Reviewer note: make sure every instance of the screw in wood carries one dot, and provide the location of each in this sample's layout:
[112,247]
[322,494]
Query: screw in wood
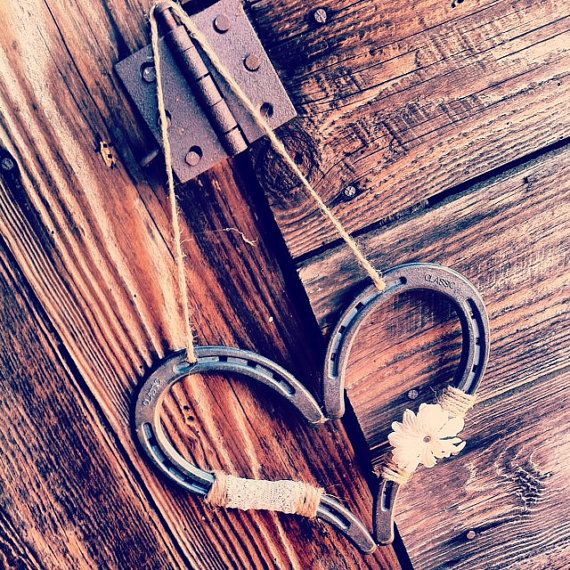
[320,16]
[350,192]
[221,24]
[413,394]
[7,163]
[470,535]
[252,62]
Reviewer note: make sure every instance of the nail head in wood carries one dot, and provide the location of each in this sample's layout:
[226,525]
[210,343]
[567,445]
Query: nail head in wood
[413,394]
[350,192]
[194,156]
[7,163]
[148,73]
[320,16]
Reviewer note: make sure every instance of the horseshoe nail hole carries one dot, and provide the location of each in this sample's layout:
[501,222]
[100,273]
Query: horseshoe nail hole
[359,306]
[403,280]
[267,110]
[223,358]
[478,341]
[341,329]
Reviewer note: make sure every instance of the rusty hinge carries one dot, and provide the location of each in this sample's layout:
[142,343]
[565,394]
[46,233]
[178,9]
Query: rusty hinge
[207,122]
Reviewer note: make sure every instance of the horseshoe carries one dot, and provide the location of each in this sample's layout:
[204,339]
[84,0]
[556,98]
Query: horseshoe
[221,359]
[474,351]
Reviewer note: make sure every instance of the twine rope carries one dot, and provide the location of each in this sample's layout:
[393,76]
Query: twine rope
[292,497]
[276,143]
[391,472]
[454,401]
[174,210]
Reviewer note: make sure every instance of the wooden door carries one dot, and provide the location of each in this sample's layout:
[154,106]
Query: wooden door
[435,131]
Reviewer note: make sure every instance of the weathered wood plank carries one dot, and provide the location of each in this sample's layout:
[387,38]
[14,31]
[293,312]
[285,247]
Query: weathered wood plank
[407,99]
[510,237]
[64,498]
[94,245]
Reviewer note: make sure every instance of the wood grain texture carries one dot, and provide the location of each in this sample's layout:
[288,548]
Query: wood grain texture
[67,499]
[405,100]
[94,245]
[510,237]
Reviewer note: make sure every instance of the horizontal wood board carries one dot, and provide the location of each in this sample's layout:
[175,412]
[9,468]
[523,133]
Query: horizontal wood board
[404,100]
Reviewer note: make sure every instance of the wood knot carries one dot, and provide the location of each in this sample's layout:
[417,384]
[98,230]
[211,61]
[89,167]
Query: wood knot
[275,176]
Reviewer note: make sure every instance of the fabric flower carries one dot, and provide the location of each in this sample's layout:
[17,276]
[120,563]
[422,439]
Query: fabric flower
[423,438]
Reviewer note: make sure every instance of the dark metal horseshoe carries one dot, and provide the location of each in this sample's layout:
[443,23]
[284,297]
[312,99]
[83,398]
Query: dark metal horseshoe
[474,352]
[212,359]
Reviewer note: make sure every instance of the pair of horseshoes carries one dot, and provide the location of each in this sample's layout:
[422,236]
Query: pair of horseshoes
[219,359]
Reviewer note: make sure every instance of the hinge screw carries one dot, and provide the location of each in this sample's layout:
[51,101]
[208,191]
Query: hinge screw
[350,192]
[252,62]
[194,156]
[221,24]
[149,73]
[7,163]
[413,394]
[320,16]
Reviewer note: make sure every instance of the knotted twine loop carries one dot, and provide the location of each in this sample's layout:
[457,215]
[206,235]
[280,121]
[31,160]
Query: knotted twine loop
[454,401]
[260,121]
[292,497]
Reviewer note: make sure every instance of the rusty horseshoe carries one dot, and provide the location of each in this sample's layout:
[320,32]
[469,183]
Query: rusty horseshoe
[220,359]
[474,352]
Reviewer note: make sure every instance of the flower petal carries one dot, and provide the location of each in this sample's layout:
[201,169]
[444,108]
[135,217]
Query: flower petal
[431,418]
[452,427]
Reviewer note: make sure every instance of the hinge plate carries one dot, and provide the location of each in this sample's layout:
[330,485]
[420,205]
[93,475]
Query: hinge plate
[190,128]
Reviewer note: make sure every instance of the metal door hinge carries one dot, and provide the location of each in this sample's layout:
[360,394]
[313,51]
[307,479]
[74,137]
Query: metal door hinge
[207,122]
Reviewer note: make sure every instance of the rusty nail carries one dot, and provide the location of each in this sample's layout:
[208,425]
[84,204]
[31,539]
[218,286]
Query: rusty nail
[221,24]
[470,535]
[149,73]
[252,62]
[413,394]
[7,163]
[350,191]
[320,16]
[194,156]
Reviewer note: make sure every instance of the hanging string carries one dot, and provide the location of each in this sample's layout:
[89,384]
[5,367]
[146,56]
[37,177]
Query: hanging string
[174,210]
[279,147]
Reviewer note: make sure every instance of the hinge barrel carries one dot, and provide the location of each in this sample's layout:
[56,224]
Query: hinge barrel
[201,82]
